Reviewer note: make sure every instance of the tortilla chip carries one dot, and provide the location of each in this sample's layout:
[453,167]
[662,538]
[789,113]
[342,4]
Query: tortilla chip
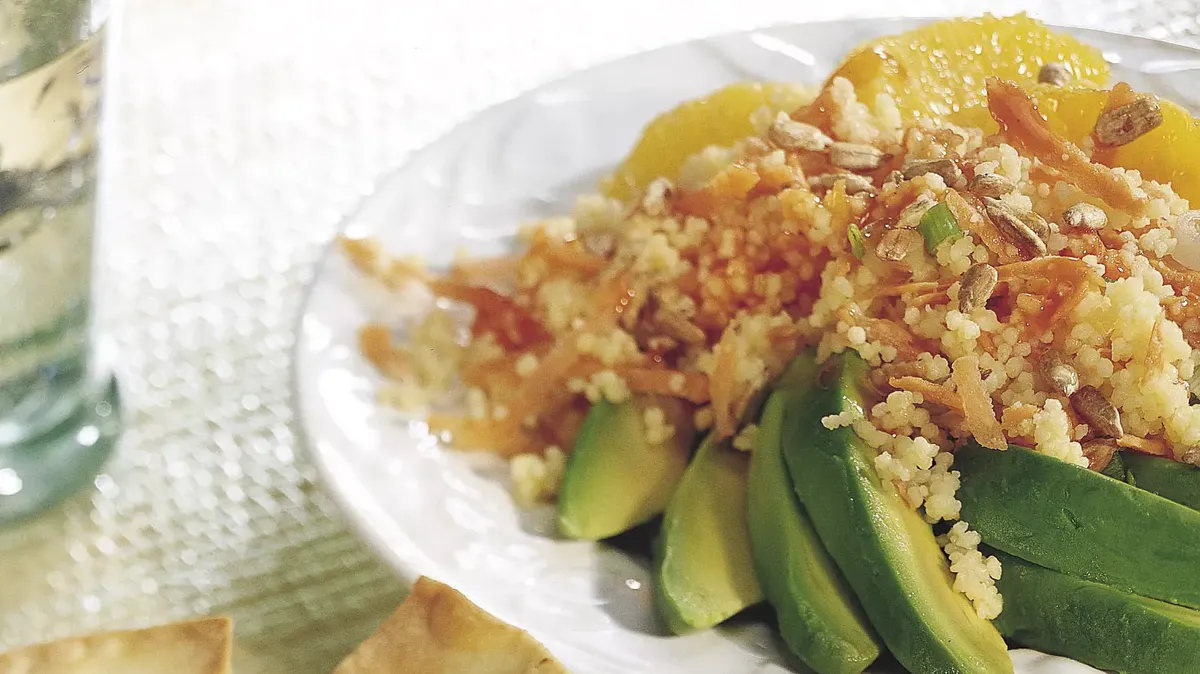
[439,631]
[195,647]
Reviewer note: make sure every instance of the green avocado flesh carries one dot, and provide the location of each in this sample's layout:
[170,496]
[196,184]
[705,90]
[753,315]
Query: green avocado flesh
[1096,624]
[703,570]
[1080,522]
[819,618]
[614,479]
[1169,479]
[886,551]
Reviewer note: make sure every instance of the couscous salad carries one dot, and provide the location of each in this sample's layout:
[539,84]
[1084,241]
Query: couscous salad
[910,357]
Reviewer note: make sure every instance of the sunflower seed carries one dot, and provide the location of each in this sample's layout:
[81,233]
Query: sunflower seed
[896,244]
[1036,223]
[990,185]
[945,168]
[855,184]
[1058,374]
[789,134]
[977,286]
[855,156]
[1099,452]
[1191,456]
[1085,216]
[676,325]
[1095,409]
[1127,122]
[1013,227]
[1055,73]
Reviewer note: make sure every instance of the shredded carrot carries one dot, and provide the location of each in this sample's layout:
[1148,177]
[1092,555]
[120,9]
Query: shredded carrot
[513,326]
[730,185]
[931,392]
[567,420]
[546,386]
[364,254]
[891,334]
[659,382]
[987,342]
[367,257]
[906,288]
[721,386]
[495,376]
[651,380]
[1049,266]
[485,271]
[930,299]
[573,257]
[375,344]
[532,396]
[978,414]
[783,333]
[776,177]
[1013,417]
[610,298]
[1154,446]
[1177,276]
[1154,349]
[481,435]
[1053,271]
[1067,304]
[903,494]
[1030,133]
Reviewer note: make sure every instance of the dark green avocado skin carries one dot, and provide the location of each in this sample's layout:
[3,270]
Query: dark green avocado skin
[1098,625]
[1082,523]
[1178,482]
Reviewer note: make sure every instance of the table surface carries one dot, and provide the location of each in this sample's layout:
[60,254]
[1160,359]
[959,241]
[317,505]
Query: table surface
[240,132]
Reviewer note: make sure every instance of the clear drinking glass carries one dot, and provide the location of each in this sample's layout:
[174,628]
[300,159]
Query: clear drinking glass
[59,409]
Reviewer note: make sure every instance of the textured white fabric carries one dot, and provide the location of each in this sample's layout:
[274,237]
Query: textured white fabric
[240,133]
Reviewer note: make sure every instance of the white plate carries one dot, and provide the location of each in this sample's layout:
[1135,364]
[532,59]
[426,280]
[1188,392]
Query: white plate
[449,515]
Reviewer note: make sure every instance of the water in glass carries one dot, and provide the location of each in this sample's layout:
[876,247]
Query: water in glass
[58,406]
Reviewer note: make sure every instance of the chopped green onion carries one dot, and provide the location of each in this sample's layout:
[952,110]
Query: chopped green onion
[937,225]
[857,245]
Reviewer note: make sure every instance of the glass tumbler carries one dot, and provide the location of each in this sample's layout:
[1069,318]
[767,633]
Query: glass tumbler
[59,408]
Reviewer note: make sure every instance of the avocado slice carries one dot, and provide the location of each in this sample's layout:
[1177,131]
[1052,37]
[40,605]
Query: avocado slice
[1095,624]
[1169,479]
[819,618]
[615,479]
[1080,522]
[702,567]
[886,550]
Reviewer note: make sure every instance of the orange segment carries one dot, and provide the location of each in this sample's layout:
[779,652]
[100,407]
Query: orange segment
[940,69]
[721,118]
[939,72]
[1166,154]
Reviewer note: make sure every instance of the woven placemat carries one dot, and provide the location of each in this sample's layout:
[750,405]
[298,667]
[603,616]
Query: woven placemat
[241,132]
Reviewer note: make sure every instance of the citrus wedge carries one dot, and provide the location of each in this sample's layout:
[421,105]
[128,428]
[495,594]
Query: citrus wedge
[1166,154]
[720,118]
[940,69]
